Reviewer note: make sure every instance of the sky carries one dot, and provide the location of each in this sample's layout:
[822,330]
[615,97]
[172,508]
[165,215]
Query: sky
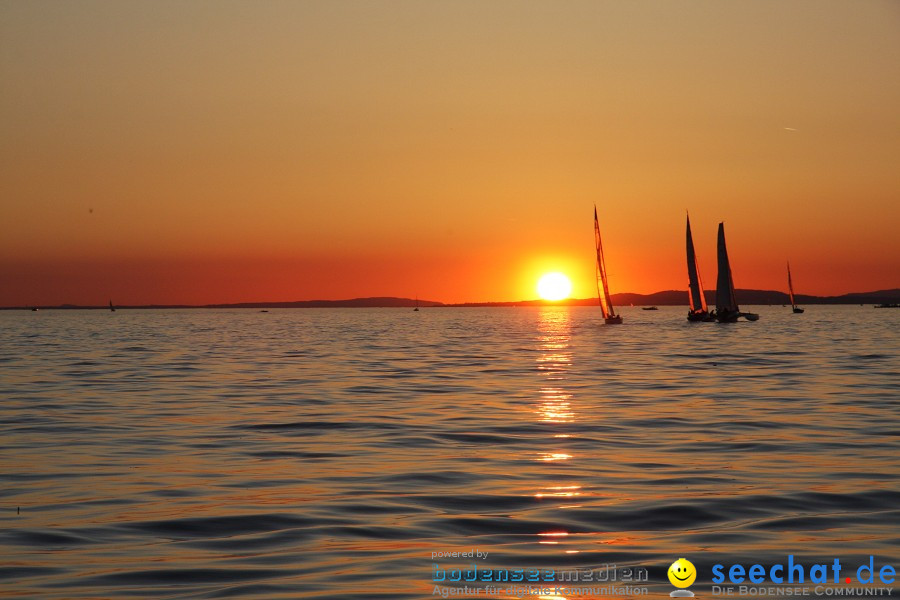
[218,151]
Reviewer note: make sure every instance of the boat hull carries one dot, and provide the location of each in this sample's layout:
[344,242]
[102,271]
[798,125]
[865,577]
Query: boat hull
[616,320]
[727,316]
[798,311]
[700,317]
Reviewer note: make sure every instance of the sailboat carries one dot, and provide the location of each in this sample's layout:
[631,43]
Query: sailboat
[727,310]
[416,309]
[699,310]
[794,307]
[111,307]
[609,313]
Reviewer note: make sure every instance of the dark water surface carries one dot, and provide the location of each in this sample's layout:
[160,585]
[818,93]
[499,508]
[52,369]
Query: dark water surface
[328,453]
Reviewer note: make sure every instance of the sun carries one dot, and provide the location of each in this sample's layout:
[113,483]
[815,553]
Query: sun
[554,286]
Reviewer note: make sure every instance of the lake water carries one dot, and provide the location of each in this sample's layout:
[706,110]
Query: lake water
[327,453]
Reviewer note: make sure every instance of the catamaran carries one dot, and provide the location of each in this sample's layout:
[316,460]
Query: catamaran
[699,310]
[727,309]
[794,307]
[609,313]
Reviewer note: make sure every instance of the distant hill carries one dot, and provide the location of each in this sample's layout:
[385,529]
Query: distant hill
[665,298]
[375,302]
[680,298]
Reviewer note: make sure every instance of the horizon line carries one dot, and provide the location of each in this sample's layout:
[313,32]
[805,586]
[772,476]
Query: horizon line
[401,302]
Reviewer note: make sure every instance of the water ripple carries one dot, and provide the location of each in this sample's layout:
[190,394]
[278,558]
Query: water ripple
[328,453]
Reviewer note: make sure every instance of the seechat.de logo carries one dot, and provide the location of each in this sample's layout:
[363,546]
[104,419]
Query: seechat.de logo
[682,574]
[796,572]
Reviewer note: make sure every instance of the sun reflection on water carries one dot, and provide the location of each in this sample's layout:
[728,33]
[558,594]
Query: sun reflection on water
[554,362]
[554,405]
[560,491]
[554,456]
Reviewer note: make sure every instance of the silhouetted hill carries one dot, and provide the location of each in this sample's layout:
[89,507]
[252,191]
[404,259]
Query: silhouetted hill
[680,298]
[879,297]
[376,302]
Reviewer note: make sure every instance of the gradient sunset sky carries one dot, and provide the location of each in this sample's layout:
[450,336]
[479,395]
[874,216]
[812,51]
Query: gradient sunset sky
[199,152]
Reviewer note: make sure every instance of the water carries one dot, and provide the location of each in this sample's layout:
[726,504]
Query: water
[329,453]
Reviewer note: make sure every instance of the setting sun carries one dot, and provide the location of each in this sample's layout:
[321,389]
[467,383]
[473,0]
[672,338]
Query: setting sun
[554,286]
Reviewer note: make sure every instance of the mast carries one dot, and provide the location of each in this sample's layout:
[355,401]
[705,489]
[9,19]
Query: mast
[791,286]
[695,286]
[602,286]
[725,300]
[602,292]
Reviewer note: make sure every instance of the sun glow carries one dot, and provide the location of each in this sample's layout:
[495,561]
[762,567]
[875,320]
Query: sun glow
[554,286]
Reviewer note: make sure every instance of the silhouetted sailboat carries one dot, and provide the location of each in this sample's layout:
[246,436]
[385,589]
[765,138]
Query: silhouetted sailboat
[727,310]
[416,309]
[609,313]
[698,309]
[794,307]
[111,307]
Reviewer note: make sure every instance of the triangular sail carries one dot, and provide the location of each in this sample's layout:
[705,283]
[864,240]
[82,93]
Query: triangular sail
[791,287]
[695,286]
[602,286]
[725,300]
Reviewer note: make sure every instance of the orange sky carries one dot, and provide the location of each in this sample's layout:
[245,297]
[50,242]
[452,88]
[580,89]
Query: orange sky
[197,152]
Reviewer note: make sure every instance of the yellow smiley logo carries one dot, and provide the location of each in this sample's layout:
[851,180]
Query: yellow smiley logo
[682,573]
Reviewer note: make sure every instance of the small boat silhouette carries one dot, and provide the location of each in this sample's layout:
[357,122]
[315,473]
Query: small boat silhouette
[797,310]
[727,309]
[698,311]
[609,313]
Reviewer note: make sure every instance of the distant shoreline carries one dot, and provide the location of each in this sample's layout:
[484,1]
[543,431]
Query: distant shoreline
[665,298]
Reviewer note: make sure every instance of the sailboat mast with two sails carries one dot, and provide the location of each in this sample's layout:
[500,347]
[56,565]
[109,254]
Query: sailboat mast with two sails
[698,310]
[727,309]
[609,312]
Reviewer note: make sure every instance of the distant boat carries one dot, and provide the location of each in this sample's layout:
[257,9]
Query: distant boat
[794,307]
[698,311]
[885,305]
[727,309]
[609,313]
[35,309]
[416,309]
[111,307]
[649,308]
